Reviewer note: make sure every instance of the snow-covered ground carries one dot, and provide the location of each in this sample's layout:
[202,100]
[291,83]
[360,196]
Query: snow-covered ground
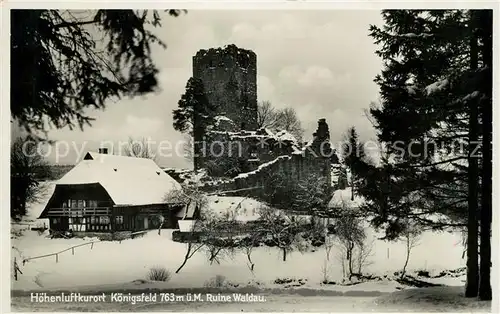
[112,266]
[440,299]
[107,263]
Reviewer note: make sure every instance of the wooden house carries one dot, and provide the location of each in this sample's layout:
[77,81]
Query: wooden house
[108,193]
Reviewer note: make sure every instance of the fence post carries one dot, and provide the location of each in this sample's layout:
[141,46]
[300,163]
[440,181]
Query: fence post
[15,269]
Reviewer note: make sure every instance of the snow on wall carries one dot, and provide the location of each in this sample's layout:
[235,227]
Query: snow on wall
[262,166]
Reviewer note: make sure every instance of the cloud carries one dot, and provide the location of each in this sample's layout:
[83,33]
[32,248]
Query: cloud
[321,63]
[265,88]
[142,126]
[313,76]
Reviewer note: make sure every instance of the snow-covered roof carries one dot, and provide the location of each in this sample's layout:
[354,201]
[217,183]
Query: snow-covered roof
[128,180]
[343,198]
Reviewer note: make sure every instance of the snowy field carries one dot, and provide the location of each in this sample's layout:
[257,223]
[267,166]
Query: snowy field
[123,266]
[115,262]
[107,263]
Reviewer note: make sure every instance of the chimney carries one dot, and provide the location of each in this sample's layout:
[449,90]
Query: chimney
[103,151]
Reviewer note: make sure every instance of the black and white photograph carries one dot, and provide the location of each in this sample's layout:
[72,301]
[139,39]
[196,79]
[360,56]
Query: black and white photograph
[217,158]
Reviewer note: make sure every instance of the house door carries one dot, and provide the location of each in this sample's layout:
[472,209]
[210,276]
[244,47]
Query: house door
[59,223]
[64,223]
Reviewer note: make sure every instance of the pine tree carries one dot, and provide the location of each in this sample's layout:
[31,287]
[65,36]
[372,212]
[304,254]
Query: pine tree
[485,34]
[426,57]
[471,287]
[432,82]
[354,157]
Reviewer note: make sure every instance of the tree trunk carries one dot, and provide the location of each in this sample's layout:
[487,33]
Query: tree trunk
[186,257]
[471,287]
[486,191]
[352,187]
[349,258]
[408,249]
[284,254]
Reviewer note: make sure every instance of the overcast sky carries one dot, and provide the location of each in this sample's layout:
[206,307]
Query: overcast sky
[321,63]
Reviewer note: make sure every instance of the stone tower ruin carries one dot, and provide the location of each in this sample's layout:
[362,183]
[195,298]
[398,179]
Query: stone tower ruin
[229,76]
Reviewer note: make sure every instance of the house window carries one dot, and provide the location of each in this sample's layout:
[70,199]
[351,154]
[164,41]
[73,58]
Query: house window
[119,220]
[64,204]
[93,219]
[104,220]
[56,220]
[80,203]
[74,203]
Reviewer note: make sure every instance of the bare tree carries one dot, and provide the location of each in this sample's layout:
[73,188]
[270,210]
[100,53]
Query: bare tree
[27,168]
[191,249]
[411,237]
[363,254]
[266,115]
[350,235]
[139,148]
[214,234]
[284,230]
[329,244]
[279,119]
[253,238]
[288,120]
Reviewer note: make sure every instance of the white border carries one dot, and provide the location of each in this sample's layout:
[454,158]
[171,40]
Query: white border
[228,5]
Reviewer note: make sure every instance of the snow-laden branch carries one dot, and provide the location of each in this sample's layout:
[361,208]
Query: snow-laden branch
[436,87]
[413,35]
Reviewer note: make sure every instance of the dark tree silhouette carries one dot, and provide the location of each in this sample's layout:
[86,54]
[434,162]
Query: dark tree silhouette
[27,168]
[63,62]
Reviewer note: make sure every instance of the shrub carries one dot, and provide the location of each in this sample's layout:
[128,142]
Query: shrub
[159,273]
[218,281]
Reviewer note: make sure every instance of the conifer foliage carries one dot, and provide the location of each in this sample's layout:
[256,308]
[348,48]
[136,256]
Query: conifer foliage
[195,114]
[63,62]
[434,122]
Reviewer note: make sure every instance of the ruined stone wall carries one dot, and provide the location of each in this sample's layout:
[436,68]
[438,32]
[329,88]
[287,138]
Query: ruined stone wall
[229,76]
[231,153]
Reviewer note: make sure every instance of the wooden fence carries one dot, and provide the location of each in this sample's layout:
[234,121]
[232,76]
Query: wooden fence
[17,270]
